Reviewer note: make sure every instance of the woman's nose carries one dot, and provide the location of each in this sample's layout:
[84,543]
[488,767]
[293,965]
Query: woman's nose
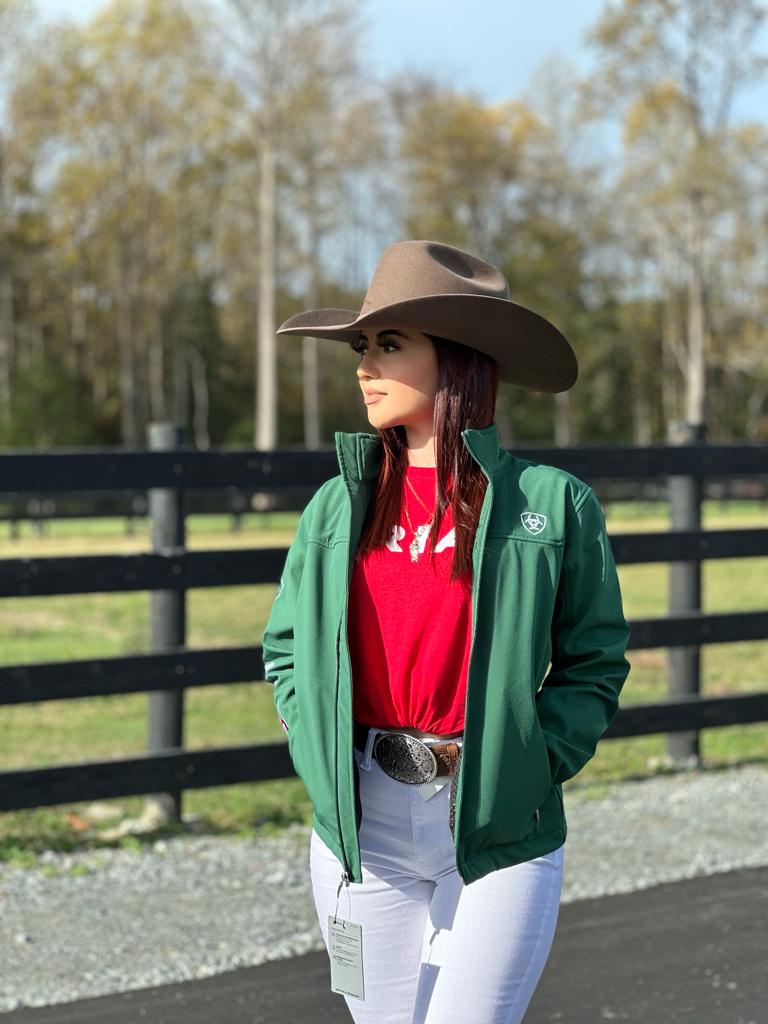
[366,367]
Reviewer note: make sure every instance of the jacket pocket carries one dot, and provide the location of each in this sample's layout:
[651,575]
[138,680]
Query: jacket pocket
[294,746]
[543,754]
[539,785]
[293,732]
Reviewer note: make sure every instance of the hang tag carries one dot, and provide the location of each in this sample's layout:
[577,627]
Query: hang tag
[428,790]
[345,946]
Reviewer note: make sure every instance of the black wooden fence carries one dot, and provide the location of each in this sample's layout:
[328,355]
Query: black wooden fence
[169,570]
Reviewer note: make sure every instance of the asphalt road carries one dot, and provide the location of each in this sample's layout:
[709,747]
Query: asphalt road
[693,951]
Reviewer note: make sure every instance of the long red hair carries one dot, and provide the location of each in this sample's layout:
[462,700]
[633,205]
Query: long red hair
[466,397]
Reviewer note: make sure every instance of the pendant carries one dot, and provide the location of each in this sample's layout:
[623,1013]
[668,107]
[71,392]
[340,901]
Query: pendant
[413,547]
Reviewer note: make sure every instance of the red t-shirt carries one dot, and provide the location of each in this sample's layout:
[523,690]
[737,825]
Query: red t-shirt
[409,626]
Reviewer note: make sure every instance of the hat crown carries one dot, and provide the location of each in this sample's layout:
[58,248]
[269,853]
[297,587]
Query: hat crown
[414,269]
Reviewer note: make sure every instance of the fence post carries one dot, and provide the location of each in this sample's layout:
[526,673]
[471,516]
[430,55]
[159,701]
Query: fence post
[684,663]
[168,622]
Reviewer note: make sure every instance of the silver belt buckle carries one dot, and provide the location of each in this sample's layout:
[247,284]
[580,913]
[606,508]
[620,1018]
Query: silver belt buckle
[405,758]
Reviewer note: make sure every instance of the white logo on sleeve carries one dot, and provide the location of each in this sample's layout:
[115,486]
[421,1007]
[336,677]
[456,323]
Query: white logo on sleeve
[534,522]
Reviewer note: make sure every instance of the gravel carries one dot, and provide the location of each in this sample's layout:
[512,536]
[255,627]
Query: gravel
[102,921]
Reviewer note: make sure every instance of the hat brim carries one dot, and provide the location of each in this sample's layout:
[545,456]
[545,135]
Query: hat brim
[530,351]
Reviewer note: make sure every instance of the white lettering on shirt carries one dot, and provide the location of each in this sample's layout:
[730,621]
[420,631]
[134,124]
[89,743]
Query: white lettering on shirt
[422,533]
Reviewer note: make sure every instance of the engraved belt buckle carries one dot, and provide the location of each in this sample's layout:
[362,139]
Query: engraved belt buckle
[405,758]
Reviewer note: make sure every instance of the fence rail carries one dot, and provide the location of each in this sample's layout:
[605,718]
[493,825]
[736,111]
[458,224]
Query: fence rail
[184,570]
[176,769]
[170,570]
[286,468]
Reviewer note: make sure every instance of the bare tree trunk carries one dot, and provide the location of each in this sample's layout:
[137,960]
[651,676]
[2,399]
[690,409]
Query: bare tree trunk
[310,369]
[141,372]
[265,362]
[7,339]
[669,368]
[181,357]
[671,345]
[79,332]
[310,382]
[641,420]
[695,377]
[156,366]
[641,362]
[641,405]
[125,345]
[36,343]
[98,373]
[200,388]
[563,425]
[755,412]
[503,420]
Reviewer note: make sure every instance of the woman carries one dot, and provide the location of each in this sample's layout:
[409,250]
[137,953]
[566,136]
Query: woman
[446,648]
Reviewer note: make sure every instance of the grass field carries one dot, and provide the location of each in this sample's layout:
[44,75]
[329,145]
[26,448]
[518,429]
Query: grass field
[102,625]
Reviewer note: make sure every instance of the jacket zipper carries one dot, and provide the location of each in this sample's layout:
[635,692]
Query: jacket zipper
[347,868]
[482,530]
[346,875]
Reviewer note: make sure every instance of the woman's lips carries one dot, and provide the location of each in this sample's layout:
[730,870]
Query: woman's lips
[374,397]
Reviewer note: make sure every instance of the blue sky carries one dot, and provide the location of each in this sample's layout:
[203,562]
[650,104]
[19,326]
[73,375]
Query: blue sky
[489,46]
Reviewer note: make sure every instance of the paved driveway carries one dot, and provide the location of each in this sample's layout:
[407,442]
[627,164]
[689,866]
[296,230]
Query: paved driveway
[692,951]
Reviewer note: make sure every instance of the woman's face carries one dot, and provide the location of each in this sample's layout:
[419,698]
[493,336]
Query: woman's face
[401,365]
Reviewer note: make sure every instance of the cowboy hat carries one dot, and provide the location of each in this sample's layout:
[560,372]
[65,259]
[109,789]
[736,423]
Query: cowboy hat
[438,289]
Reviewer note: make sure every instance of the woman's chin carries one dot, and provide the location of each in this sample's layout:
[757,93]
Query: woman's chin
[382,422]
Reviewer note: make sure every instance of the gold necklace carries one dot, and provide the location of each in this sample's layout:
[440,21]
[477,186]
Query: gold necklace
[413,547]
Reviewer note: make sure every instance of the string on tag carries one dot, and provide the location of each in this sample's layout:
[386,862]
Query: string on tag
[338,893]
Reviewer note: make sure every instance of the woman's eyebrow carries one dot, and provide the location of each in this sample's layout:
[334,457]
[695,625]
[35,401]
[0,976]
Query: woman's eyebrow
[390,330]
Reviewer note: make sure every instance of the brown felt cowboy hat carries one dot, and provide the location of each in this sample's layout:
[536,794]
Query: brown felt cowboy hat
[438,289]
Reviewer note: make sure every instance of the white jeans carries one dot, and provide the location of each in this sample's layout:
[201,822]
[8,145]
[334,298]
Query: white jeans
[436,951]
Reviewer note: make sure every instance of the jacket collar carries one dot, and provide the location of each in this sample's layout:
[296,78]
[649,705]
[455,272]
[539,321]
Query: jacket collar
[359,453]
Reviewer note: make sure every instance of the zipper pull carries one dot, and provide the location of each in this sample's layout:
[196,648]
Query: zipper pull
[344,880]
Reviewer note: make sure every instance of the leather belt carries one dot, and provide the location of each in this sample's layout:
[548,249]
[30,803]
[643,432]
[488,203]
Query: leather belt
[408,758]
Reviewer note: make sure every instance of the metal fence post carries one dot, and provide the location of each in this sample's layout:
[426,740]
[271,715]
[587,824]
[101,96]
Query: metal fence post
[168,622]
[684,663]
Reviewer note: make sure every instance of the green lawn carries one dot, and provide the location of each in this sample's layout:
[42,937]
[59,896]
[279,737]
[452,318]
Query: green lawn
[98,625]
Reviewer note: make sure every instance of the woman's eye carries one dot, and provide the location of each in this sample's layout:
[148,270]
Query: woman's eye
[361,347]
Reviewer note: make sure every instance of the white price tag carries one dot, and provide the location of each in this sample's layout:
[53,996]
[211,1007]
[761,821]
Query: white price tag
[346,952]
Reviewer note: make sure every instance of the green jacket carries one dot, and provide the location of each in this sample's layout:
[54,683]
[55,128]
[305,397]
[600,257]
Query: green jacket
[545,594]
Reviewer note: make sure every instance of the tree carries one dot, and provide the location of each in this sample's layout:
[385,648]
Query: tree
[674,67]
[510,182]
[16,19]
[125,110]
[291,58]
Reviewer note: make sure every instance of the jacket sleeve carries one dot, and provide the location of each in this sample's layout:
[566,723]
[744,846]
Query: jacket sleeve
[580,696]
[277,641]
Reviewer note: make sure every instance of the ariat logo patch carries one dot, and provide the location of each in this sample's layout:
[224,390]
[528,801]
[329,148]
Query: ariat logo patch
[534,522]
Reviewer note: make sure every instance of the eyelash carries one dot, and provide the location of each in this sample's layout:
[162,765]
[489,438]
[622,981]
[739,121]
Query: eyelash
[359,346]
